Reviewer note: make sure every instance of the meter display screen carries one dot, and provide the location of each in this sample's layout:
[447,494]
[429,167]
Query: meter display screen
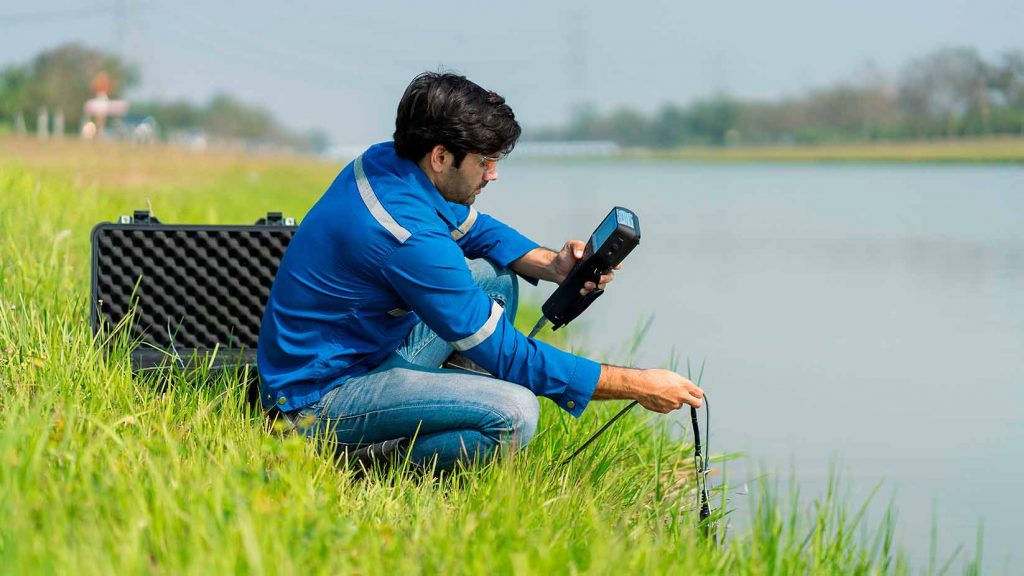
[610,224]
[604,231]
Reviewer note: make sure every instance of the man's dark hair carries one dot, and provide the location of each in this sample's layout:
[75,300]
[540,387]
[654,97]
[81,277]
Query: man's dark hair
[447,109]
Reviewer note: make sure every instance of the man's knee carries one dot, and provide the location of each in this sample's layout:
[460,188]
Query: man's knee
[522,411]
[508,424]
[500,283]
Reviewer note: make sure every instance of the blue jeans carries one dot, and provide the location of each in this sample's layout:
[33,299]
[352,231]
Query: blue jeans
[455,416]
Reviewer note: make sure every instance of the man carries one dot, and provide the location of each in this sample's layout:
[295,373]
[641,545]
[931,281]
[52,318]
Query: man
[393,270]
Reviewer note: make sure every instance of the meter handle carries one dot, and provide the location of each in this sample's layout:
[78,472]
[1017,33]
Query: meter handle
[581,305]
[566,303]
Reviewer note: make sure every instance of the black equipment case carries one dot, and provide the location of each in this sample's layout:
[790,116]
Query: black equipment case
[187,296]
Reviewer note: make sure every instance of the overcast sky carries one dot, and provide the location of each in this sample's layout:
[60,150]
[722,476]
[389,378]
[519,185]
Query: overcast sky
[342,66]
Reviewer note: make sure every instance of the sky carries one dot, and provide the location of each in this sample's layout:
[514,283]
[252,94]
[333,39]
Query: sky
[341,67]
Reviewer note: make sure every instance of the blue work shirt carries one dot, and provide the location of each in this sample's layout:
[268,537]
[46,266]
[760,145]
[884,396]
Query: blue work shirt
[380,251]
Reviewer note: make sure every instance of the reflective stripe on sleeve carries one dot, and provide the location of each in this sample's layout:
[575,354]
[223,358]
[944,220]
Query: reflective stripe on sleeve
[466,225]
[374,206]
[483,333]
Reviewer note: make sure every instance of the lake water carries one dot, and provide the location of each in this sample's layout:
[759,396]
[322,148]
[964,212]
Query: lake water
[870,316]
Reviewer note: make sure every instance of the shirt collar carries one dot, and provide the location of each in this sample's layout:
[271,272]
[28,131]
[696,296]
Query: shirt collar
[411,172]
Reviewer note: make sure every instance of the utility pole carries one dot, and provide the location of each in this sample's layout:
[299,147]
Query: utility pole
[576,64]
[121,27]
[719,73]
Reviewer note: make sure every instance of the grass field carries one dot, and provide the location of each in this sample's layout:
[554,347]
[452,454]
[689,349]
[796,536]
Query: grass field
[102,474]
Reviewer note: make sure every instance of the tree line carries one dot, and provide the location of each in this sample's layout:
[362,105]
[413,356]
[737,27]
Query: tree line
[950,92]
[60,80]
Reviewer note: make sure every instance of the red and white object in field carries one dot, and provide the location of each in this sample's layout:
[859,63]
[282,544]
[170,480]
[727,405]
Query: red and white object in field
[101,107]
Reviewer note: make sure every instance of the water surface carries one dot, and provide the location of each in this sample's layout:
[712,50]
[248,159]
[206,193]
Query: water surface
[870,315]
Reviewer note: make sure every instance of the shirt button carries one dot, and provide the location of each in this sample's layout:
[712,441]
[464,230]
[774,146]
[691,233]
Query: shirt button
[281,400]
[570,404]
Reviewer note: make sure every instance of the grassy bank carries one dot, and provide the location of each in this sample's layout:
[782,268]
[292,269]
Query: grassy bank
[966,150]
[101,474]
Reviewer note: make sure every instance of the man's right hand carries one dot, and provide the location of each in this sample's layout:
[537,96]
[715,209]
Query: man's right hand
[655,389]
[665,391]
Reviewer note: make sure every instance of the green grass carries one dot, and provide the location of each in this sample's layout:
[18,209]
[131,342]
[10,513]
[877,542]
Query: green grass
[102,474]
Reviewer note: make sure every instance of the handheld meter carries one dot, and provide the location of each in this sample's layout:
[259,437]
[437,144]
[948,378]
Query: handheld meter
[608,246]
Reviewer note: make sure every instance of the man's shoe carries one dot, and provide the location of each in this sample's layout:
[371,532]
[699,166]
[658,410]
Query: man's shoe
[372,453]
[459,362]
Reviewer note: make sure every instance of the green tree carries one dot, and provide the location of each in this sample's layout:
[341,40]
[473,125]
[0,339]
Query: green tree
[171,115]
[229,118]
[628,127]
[712,119]
[222,117]
[61,79]
[670,127]
[14,82]
[941,89]
[585,124]
[1007,79]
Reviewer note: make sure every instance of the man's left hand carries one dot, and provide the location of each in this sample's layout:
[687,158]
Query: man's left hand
[565,259]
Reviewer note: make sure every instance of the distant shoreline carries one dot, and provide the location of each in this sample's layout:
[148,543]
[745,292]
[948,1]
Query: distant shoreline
[1001,150]
[987,151]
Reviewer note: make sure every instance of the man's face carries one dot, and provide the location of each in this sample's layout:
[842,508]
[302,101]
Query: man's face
[463,184]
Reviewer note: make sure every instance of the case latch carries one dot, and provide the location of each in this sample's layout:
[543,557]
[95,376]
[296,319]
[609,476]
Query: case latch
[139,217]
[275,219]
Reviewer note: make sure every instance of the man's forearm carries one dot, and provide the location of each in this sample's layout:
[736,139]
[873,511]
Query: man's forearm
[655,389]
[537,263]
[618,383]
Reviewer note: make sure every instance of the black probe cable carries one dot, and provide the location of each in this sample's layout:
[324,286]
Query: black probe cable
[700,463]
[599,432]
[701,466]
[536,328]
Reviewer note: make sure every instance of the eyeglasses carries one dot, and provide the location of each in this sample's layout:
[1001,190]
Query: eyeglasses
[489,163]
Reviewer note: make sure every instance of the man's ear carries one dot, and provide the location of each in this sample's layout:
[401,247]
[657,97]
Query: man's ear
[439,158]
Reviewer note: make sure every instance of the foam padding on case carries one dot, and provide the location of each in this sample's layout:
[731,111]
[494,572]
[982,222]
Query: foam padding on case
[203,287]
